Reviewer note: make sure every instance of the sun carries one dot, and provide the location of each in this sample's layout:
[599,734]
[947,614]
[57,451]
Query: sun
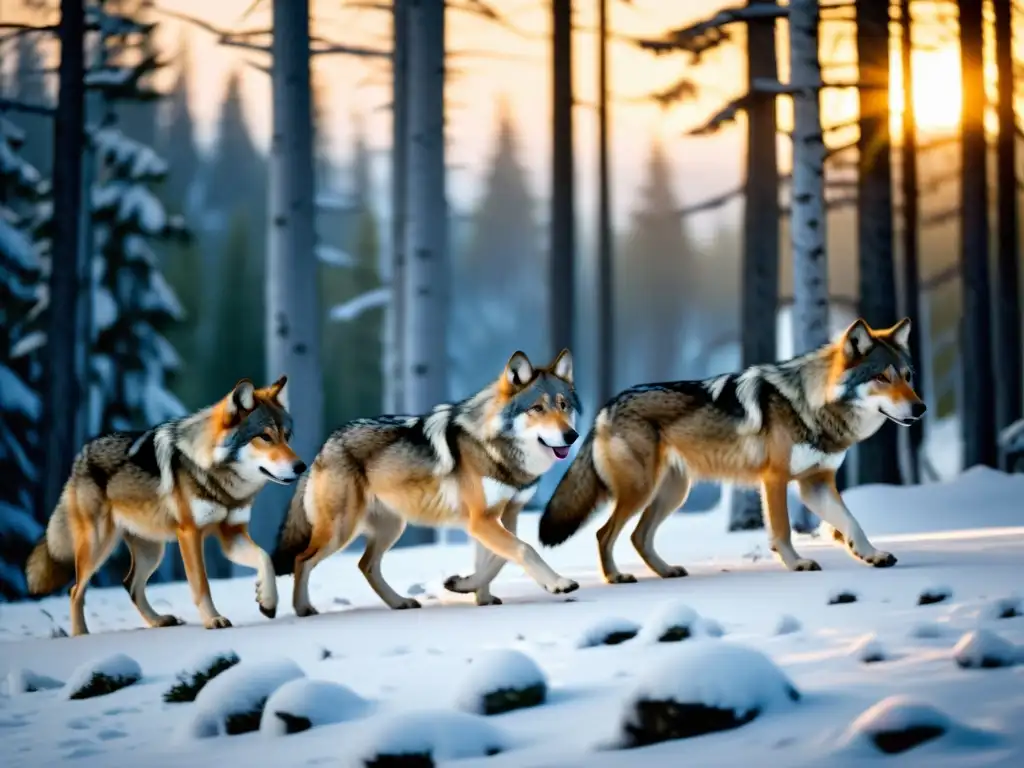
[938,97]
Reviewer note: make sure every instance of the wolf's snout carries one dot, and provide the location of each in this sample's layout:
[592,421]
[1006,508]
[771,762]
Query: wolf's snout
[917,410]
[570,436]
[299,467]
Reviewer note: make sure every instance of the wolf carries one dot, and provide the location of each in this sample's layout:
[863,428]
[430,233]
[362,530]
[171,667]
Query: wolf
[765,426]
[183,480]
[474,464]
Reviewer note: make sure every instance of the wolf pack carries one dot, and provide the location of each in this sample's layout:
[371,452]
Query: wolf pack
[476,464]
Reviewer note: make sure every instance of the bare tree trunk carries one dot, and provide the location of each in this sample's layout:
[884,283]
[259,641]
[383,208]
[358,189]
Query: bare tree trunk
[63,389]
[425,358]
[605,261]
[562,262]
[878,457]
[911,273]
[759,303]
[1008,317]
[809,219]
[293,313]
[977,408]
[395,317]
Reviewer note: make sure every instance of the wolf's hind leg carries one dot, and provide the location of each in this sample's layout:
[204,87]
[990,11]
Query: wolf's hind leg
[332,531]
[94,537]
[488,565]
[671,495]
[383,528]
[146,558]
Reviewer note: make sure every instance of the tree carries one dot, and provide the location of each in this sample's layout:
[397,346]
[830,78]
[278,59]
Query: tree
[1008,311]
[562,258]
[878,457]
[978,408]
[176,139]
[656,264]
[20,405]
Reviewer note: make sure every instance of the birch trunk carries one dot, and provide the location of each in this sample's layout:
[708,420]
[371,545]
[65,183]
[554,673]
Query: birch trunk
[395,317]
[425,352]
[562,248]
[292,311]
[759,302]
[809,232]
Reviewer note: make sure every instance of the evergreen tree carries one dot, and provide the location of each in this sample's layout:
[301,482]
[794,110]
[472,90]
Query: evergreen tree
[20,407]
[136,117]
[176,139]
[238,171]
[500,301]
[655,268]
[28,85]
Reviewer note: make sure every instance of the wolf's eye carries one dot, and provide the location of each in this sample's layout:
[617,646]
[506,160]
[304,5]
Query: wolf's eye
[564,405]
[536,408]
[882,377]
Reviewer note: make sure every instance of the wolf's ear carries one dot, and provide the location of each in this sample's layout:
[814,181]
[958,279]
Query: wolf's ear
[278,391]
[900,333]
[519,369]
[242,398]
[563,365]
[857,339]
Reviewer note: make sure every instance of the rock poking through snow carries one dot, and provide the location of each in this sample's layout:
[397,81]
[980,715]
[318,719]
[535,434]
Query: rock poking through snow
[984,649]
[671,622]
[500,681]
[896,724]
[842,597]
[608,631]
[934,595]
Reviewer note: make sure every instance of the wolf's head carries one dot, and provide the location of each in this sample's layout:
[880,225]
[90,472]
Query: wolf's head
[873,371]
[252,428]
[539,406]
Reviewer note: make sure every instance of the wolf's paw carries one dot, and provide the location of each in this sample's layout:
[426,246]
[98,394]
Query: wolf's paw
[216,622]
[167,620]
[804,564]
[562,586]
[879,559]
[302,611]
[488,600]
[407,602]
[674,572]
[620,578]
[270,611]
[457,584]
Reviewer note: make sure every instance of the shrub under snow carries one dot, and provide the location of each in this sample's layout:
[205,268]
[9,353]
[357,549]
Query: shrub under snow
[197,674]
[301,704]
[927,630]
[501,681]
[27,681]
[934,595]
[98,678]
[233,701]
[704,687]
[869,649]
[672,622]
[842,597]
[419,739]
[611,630]
[1004,608]
[985,650]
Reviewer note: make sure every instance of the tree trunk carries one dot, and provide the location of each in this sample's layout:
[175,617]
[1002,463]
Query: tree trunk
[878,457]
[63,389]
[562,262]
[1008,317]
[395,316]
[425,358]
[293,312]
[977,408]
[808,229]
[605,260]
[911,273]
[759,302]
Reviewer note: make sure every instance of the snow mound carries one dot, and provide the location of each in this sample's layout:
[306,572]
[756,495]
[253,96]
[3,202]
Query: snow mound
[26,681]
[934,595]
[927,630]
[898,724]
[302,704]
[842,597]
[869,649]
[233,701]
[709,627]
[198,673]
[1004,608]
[703,687]
[672,622]
[106,675]
[611,630]
[983,649]
[787,625]
[421,738]
[501,681]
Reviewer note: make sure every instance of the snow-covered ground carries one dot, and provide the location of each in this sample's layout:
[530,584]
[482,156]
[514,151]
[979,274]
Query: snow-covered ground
[813,683]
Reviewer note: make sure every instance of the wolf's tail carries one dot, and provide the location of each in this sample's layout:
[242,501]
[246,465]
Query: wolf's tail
[578,493]
[295,533]
[51,564]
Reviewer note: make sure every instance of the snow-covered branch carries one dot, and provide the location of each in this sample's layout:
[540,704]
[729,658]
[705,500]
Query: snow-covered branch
[711,203]
[709,33]
[353,308]
[727,114]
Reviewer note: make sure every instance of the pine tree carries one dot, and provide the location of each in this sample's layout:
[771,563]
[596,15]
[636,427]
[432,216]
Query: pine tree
[20,406]
[656,265]
[176,139]
[500,277]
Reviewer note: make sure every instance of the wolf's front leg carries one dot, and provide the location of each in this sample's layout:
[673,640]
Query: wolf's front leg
[492,534]
[775,503]
[821,496]
[488,565]
[240,549]
[190,540]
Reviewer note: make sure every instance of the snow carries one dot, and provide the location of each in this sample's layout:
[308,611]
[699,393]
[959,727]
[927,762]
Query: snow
[16,247]
[869,649]
[117,667]
[672,620]
[242,689]
[984,648]
[320,702]
[504,669]
[609,630]
[787,625]
[966,534]
[21,681]
[334,257]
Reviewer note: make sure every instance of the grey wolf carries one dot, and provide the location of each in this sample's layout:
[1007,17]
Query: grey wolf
[765,426]
[182,480]
[474,464]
